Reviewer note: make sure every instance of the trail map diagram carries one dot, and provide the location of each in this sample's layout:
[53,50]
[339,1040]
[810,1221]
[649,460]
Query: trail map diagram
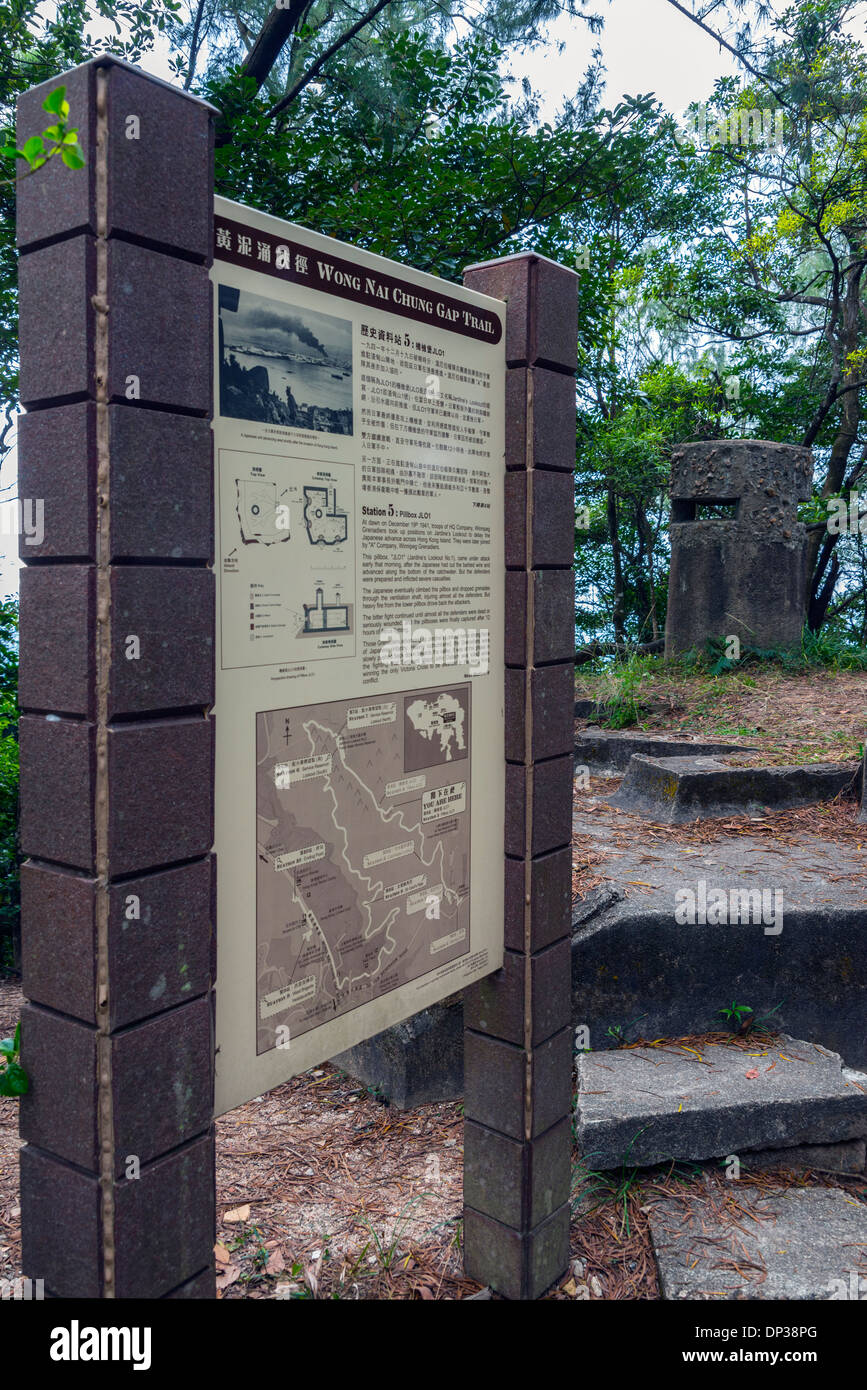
[326,524]
[363,863]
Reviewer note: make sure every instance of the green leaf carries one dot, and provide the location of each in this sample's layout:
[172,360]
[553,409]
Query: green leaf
[32,148]
[8,1045]
[54,101]
[72,158]
[63,113]
[14,1081]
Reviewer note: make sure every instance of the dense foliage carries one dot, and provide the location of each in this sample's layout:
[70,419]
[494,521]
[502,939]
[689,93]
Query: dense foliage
[720,276]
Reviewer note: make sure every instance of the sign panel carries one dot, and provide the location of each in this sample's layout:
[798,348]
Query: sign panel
[359,452]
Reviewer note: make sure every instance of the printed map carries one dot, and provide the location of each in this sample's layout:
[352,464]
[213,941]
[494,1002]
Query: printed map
[440,724]
[363,852]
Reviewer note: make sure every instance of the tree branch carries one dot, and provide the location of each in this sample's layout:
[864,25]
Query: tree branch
[753,71]
[276,31]
[194,45]
[323,58]
[724,43]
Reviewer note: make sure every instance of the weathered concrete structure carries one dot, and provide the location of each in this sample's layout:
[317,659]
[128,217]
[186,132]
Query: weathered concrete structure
[738,552]
[673,790]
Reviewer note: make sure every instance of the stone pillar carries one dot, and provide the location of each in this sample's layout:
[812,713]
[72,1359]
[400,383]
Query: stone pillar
[738,551]
[116,683]
[518,1033]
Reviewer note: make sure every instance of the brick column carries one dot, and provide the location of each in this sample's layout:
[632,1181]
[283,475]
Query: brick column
[116,683]
[518,1033]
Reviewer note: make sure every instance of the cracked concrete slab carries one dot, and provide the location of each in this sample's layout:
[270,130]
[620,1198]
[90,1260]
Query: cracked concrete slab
[612,748]
[742,1244]
[645,1105]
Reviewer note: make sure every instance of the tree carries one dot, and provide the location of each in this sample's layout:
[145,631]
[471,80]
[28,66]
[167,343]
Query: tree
[33,49]
[780,278]
[282,50]
[643,383]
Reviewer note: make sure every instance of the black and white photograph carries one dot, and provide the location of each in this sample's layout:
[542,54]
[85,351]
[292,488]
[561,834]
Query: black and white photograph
[284,365]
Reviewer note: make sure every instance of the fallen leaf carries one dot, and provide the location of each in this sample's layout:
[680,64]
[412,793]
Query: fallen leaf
[276,1263]
[221,1254]
[227,1276]
[752,1074]
[237,1214]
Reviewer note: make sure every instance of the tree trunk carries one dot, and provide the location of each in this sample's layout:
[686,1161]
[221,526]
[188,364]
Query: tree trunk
[648,584]
[617,558]
[822,565]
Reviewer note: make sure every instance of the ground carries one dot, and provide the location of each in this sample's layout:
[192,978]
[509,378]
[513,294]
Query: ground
[820,716]
[325,1192]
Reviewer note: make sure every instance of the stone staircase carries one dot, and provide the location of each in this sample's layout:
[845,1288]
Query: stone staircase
[637,952]
[638,1106]
[786,1104]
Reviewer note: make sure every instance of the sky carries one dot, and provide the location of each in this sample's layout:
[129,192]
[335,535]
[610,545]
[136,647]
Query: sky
[647,47]
[266,323]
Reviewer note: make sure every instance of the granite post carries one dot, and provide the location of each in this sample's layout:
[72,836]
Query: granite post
[738,551]
[517,1022]
[116,684]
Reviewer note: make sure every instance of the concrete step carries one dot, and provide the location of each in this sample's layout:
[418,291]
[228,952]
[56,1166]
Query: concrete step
[671,790]
[609,750]
[729,1242]
[644,1105]
[646,943]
